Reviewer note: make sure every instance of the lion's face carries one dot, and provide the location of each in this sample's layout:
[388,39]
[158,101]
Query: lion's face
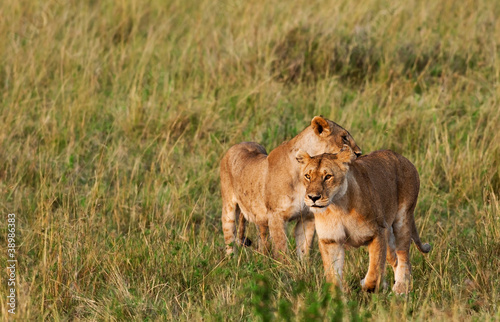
[324,177]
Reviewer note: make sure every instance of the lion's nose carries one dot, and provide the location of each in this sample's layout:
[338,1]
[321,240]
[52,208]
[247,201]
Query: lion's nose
[314,197]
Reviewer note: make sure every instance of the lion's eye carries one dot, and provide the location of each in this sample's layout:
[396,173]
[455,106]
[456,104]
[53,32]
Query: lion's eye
[344,138]
[308,177]
[328,177]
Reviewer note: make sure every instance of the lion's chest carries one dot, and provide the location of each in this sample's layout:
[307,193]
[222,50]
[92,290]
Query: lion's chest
[344,228]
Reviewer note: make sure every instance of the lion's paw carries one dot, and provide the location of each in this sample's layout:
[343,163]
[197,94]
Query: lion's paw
[401,288]
[371,288]
[367,288]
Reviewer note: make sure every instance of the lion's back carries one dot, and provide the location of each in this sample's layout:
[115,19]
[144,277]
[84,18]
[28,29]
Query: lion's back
[391,174]
[242,172]
[242,156]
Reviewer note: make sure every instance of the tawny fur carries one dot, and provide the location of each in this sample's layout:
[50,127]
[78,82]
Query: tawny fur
[266,189]
[370,201]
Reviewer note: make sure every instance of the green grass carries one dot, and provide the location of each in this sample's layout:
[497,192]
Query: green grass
[114,117]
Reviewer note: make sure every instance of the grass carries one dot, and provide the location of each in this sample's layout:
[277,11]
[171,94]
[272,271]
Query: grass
[114,116]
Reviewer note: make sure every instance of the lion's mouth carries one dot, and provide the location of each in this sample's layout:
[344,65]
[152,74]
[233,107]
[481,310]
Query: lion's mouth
[318,206]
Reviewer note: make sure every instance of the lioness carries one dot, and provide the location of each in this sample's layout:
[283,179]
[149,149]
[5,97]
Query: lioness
[364,201]
[265,188]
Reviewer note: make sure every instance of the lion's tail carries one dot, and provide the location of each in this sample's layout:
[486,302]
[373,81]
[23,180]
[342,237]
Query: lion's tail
[423,248]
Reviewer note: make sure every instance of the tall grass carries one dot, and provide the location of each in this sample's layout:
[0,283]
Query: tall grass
[114,116]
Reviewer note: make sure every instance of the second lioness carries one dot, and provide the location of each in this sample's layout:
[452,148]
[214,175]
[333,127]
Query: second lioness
[365,201]
[264,188]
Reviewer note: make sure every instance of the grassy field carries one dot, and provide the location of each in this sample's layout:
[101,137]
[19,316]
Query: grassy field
[115,115]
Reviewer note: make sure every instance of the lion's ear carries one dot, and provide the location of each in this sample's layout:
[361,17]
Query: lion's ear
[302,157]
[320,126]
[346,155]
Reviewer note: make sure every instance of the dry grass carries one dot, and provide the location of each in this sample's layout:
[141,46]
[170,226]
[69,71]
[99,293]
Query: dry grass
[114,116]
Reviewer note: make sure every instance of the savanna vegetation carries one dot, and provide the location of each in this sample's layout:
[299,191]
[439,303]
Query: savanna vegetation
[114,116]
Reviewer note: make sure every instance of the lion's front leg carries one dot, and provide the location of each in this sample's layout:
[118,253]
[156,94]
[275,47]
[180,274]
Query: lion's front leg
[377,250]
[333,255]
[278,235]
[304,235]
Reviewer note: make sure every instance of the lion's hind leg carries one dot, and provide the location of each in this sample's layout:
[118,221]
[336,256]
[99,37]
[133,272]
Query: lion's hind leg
[402,234]
[264,246]
[242,226]
[391,256]
[230,210]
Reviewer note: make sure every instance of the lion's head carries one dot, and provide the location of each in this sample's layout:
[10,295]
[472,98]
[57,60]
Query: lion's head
[330,137]
[324,176]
